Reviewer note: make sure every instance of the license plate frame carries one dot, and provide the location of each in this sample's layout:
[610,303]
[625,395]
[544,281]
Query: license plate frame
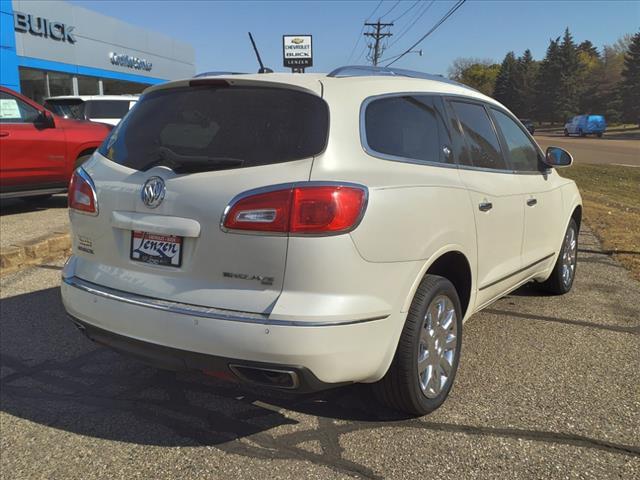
[162,244]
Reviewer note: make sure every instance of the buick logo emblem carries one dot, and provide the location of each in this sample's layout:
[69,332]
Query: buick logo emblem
[153,192]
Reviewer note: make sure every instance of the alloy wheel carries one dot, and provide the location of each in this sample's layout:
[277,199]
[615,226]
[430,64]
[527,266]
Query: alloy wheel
[569,256]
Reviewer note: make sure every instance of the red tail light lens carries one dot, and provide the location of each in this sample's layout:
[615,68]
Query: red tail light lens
[314,209]
[82,193]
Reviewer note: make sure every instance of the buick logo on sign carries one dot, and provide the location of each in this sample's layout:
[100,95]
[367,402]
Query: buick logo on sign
[153,192]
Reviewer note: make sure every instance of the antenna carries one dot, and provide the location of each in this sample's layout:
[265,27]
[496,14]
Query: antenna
[263,69]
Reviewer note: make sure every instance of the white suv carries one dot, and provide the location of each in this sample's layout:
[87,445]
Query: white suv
[97,108]
[308,231]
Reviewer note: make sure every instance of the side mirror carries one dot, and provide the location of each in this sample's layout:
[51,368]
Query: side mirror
[45,119]
[557,157]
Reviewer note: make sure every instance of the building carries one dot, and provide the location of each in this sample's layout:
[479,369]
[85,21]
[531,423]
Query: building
[50,48]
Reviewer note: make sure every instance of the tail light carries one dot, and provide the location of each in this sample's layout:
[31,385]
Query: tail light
[82,193]
[312,209]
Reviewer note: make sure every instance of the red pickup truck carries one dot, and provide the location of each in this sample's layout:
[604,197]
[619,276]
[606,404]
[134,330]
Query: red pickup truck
[39,150]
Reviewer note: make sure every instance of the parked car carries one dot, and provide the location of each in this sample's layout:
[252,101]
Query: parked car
[528,124]
[585,125]
[97,108]
[232,225]
[41,150]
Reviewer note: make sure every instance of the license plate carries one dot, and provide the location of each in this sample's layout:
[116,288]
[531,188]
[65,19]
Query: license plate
[156,249]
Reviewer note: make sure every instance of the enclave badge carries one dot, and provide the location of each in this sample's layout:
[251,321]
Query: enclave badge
[153,192]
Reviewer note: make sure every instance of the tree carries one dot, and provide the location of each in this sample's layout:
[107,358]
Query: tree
[476,73]
[566,102]
[546,83]
[506,90]
[527,73]
[630,83]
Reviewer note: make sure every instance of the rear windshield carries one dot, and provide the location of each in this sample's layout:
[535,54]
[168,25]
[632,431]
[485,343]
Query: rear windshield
[68,108]
[205,128]
[114,109]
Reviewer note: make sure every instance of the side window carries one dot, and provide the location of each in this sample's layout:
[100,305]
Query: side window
[482,142]
[522,153]
[14,110]
[404,126]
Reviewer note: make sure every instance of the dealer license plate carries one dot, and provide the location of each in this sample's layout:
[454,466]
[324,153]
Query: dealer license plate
[156,249]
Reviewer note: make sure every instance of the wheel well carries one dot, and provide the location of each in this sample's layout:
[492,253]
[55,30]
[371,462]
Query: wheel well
[577,215]
[454,267]
[86,151]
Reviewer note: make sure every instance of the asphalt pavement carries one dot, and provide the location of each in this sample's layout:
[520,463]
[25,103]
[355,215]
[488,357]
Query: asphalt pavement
[548,387]
[610,151]
[21,220]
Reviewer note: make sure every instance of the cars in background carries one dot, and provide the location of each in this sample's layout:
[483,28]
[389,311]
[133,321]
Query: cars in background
[40,150]
[97,108]
[584,125]
[528,124]
[307,231]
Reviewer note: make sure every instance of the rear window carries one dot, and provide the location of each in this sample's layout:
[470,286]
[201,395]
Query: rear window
[68,108]
[210,128]
[113,109]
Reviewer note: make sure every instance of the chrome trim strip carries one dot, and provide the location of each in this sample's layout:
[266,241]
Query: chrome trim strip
[517,272]
[198,310]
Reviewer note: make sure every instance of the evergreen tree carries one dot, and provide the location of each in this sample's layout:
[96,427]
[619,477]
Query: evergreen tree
[566,102]
[506,89]
[547,82]
[630,84]
[527,69]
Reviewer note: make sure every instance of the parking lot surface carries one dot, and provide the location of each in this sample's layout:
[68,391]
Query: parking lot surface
[548,387]
[21,221]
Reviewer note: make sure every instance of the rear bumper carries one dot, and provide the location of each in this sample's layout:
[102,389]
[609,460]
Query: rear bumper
[178,336]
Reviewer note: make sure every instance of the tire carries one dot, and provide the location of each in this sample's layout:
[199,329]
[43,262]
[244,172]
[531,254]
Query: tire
[564,271]
[599,134]
[401,388]
[81,159]
[581,133]
[566,132]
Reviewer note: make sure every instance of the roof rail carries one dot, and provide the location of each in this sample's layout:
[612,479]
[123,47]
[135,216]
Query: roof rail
[368,70]
[216,74]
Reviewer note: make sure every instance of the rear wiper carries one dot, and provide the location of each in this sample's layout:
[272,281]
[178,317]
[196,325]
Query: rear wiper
[174,160]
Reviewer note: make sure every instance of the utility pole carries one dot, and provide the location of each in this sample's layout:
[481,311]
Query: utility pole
[377,35]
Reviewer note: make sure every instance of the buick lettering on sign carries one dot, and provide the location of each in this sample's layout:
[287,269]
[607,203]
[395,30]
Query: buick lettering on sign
[42,27]
[297,51]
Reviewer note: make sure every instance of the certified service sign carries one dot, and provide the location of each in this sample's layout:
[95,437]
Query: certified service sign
[297,52]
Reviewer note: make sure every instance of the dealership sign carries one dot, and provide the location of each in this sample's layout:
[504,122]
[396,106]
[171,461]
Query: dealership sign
[129,61]
[297,52]
[42,27]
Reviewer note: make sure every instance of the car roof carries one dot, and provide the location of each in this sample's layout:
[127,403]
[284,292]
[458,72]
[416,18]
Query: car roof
[357,81]
[94,97]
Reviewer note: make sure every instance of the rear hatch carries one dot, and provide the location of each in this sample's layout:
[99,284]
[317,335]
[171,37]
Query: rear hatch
[596,123]
[207,143]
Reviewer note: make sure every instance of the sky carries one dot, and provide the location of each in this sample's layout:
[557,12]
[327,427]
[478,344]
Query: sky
[480,28]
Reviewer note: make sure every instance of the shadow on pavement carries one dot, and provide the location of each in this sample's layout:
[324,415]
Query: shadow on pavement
[13,206]
[52,375]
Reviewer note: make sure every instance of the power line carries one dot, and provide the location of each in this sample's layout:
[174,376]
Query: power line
[440,22]
[406,11]
[362,30]
[406,30]
[390,10]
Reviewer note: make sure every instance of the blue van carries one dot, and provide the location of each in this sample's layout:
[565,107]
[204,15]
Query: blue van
[585,125]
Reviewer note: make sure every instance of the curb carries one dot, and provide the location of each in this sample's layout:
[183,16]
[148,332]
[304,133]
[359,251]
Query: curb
[34,252]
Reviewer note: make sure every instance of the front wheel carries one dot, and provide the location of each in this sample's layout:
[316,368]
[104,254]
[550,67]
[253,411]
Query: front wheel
[566,132]
[561,279]
[426,360]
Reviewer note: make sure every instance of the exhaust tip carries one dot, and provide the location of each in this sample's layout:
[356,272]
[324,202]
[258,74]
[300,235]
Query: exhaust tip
[270,377]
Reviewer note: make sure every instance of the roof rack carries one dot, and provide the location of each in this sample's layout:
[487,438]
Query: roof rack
[367,70]
[216,74]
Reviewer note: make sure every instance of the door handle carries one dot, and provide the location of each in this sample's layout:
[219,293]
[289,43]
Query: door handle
[4,134]
[485,206]
[531,202]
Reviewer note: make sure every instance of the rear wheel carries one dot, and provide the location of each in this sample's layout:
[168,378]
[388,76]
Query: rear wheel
[581,133]
[566,132]
[561,279]
[80,160]
[599,135]
[428,352]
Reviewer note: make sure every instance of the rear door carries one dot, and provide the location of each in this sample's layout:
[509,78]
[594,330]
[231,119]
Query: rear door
[496,198]
[207,144]
[32,156]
